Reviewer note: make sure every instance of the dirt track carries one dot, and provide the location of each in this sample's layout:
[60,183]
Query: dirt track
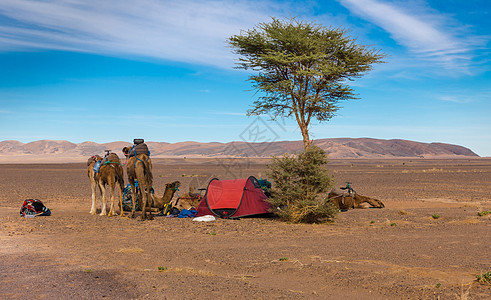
[399,252]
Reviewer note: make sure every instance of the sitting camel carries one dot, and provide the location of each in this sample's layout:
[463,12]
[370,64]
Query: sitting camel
[352,200]
[139,167]
[189,200]
[170,189]
[110,173]
[93,181]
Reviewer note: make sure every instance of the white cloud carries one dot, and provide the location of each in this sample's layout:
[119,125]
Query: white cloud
[186,31]
[455,99]
[426,33]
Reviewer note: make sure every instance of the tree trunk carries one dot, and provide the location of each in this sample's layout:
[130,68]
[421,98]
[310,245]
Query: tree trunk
[305,134]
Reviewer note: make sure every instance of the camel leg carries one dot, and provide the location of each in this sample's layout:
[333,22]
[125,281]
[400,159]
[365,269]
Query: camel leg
[149,205]
[120,181]
[112,190]
[121,200]
[93,186]
[103,199]
[133,198]
[146,205]
[140,196]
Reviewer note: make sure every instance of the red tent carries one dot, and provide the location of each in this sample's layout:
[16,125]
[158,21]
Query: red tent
[233,199]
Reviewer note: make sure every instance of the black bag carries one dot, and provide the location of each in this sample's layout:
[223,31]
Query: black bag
[33,207]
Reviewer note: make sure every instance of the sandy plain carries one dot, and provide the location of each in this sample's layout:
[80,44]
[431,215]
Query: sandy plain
[399,252]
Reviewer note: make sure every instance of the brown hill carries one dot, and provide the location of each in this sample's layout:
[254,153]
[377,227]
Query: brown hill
[337,148]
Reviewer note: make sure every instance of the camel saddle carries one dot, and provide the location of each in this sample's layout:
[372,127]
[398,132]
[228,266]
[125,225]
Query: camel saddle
[112,157]
[141,148]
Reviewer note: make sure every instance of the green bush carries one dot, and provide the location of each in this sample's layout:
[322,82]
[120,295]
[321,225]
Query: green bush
[484,278]
[483,213]
[301,183]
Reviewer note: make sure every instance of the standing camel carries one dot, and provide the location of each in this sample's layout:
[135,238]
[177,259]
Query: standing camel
[110,173]
[93,180]
[139,167]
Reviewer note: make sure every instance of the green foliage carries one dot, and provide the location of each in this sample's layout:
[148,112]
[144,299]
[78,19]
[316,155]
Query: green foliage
[435,216]
[484,278]
[483,213]
[161,269]
[303,68]
[283,258]
[300,184]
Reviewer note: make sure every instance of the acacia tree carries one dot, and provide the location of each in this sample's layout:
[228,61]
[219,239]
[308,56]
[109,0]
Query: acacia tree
[303,69]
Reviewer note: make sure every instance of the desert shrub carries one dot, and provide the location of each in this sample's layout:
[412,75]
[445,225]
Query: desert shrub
[483,213]
[484,278]
[301,183]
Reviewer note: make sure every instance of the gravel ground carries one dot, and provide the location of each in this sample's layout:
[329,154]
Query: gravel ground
[399,252]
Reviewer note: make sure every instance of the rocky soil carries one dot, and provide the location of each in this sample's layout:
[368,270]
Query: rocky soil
[428,243]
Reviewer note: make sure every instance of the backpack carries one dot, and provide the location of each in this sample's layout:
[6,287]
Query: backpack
[128,200]
[97,166]
[33,207]
[265,186]
[167,209]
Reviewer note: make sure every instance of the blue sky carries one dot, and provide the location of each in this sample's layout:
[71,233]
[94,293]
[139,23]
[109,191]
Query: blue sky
[115,70]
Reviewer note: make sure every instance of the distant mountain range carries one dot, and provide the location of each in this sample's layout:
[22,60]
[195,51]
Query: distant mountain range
[337,148]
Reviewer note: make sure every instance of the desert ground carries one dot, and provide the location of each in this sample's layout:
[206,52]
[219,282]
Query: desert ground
[427,243]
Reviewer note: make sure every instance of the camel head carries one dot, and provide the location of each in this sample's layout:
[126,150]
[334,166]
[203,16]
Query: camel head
[377,203]
[126,151]
[170,190]
[372,201]
[173,185]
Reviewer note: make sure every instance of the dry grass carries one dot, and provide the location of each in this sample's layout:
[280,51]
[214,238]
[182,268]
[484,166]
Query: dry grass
[189,270]
[130,250]
[466,221]
[464,294]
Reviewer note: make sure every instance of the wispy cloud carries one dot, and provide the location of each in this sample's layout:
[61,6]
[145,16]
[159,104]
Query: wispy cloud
[186,31]
[465,96]
[426,33]
[225,113]
[455,99]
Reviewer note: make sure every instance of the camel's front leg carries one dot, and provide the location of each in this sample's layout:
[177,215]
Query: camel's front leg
[93,186]
[103,199]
